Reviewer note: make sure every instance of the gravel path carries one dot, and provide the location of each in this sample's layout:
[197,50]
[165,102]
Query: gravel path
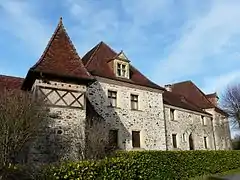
[232,177]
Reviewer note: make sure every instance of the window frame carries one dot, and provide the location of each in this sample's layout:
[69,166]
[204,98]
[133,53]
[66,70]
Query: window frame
[184,137]
[133,100]
[205,142]
[111,97]
[114,144]
[121,69]
[174,140]
[203,118]
[138,143]
[172,114]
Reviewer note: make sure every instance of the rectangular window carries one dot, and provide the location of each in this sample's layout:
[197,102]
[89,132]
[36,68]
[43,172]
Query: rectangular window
[121,70]
[112,96]
[134,102]
[174,140]
[205,142]
[172,114]
[136,139]
[203,120]
[113,138]
[183,137]
[118,69]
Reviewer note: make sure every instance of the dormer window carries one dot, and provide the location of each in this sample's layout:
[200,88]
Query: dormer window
[121,65]
[121,69]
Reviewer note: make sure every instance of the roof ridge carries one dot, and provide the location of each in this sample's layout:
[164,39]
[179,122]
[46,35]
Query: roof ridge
[94,52]
[181,82]
[59,27]
[186,101]
[74,49]
[3,75]
[108,47]
[60,24]
[193,84]
[203,94]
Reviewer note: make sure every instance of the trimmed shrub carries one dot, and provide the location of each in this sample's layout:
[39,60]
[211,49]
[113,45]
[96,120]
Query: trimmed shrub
[148,165]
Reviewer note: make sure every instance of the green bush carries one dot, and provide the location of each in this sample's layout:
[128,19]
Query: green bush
[148,165]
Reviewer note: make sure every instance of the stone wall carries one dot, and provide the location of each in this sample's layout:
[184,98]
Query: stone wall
[148,119]
[221,130]
[63,137]
[185,123]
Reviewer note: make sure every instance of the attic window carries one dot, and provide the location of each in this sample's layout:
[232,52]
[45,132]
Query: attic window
[121,70]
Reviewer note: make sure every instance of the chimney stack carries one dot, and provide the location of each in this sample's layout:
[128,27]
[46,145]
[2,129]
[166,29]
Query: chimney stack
[213,98]
[168,87]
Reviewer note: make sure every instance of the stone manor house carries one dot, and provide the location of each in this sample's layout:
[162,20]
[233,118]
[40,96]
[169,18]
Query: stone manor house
[103,86]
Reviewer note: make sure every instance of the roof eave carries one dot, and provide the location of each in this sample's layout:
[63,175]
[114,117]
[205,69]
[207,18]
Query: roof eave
[32,75]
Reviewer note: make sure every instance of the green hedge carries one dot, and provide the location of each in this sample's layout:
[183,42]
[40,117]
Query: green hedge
[148,165]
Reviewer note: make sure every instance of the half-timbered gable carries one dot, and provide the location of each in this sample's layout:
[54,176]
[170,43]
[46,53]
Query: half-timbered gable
[61,79]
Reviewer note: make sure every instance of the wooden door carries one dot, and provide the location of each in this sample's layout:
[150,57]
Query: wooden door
[136,139]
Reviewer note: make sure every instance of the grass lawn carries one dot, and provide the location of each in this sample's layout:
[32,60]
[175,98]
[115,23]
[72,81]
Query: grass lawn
[214,177]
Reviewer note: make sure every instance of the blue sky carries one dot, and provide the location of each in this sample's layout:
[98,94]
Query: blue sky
[167,40]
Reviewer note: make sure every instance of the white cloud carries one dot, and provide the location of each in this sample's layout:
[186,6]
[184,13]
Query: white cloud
[143,12]
[203,37]
[219,83]
[121,23]
[18,18]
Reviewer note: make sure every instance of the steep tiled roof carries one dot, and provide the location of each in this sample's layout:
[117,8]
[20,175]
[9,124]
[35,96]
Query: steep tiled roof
[189,90]
[10,82]
[192,92]
[60,57]
[181,102]
[96,63]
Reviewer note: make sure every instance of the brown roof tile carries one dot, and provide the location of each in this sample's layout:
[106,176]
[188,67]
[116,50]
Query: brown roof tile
[96,63]
[10,82]
[189,90]
[181,102]
[192,92]
[59,59]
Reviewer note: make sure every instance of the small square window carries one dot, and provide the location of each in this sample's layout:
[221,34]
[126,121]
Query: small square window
[112,96]
[134,102]
[136,139]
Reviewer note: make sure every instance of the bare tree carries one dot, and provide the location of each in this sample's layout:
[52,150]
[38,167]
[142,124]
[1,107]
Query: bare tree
[97,142]
[230,103]
[20,119]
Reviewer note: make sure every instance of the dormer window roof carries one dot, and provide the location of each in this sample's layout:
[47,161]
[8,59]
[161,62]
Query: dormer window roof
[122,56]
[121,65]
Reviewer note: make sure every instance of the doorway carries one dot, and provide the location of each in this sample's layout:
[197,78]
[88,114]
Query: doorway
[191,143]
